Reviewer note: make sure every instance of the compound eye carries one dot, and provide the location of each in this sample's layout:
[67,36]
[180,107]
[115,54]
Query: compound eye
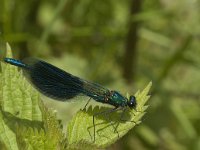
[132,102]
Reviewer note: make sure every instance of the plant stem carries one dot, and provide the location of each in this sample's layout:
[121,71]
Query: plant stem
[130,54]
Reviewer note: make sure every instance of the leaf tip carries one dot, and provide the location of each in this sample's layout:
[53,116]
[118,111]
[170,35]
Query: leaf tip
[150,84]
[8,51]
[148,87]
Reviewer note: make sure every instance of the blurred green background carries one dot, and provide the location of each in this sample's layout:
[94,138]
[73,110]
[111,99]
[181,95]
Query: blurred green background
[122,45]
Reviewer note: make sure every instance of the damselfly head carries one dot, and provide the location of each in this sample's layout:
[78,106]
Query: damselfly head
[132,102]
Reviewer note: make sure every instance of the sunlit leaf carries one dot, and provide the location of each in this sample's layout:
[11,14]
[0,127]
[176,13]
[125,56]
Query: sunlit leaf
[109,128]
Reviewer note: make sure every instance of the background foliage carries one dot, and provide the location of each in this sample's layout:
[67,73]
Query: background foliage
[122,45]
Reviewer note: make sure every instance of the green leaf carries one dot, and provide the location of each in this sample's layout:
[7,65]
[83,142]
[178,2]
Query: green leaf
[18,96]
[25,123]
[81,128]
[49,137]
[53,129]
[7,136]
[18,104]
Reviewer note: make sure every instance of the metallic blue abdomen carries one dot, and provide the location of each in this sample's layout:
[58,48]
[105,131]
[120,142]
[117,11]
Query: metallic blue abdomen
[14,62]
